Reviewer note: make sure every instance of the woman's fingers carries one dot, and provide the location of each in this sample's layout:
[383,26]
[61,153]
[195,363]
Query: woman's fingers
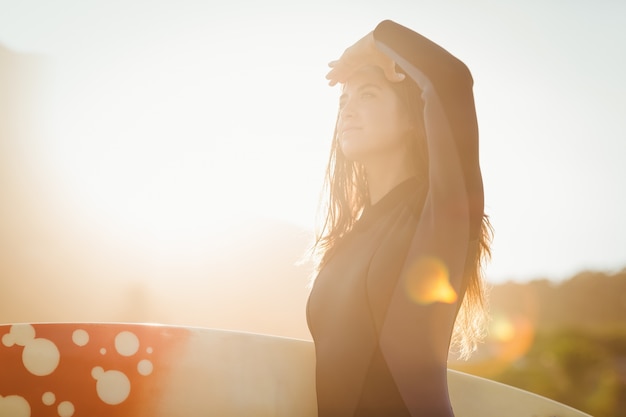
[340,72]
[361,54]
[392,75]
[333,78]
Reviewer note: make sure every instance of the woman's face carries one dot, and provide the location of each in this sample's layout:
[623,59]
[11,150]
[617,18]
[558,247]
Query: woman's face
[371,120]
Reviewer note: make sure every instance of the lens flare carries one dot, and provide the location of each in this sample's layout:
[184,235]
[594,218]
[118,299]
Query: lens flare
[511,337]
[502,329]
[428,282]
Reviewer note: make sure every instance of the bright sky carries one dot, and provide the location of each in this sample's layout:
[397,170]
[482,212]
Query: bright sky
[171,114]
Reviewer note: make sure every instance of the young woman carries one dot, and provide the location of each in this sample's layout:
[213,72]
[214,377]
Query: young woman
[401,245]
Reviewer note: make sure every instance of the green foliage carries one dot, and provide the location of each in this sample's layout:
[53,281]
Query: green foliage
[578,350]
[576,368]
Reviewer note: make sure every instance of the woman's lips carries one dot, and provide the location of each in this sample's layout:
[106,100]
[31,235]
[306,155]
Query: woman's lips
[349,129]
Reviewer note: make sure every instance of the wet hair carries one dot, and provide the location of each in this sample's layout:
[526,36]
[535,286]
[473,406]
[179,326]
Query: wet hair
[345,194]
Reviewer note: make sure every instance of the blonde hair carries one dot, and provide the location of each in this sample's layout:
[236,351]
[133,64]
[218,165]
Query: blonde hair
[345,194]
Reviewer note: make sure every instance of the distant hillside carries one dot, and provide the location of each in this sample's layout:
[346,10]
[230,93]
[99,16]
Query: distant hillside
[61,263]
[589,300]
[565,341]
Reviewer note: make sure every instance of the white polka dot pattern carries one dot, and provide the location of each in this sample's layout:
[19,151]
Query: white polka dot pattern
[67,370]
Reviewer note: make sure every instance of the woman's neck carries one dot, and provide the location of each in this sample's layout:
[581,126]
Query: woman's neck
[382,178]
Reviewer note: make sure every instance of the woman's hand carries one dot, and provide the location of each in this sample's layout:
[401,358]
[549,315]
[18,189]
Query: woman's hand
[363,53]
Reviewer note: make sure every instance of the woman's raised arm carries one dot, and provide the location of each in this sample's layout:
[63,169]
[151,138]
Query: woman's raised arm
[418,326]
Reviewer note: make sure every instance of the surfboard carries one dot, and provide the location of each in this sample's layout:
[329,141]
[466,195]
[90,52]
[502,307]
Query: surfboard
[130,370]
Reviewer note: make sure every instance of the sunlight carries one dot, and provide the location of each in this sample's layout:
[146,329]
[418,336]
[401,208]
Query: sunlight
[170,153]
[502,329]
[511,337]
[428,282]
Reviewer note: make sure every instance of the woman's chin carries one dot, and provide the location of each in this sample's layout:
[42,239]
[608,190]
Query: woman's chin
[353,156]
[353,151]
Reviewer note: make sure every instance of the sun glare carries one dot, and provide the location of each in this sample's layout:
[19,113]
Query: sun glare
[428,282]
[171,151]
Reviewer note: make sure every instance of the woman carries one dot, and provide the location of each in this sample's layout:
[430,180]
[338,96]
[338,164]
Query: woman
[401,245]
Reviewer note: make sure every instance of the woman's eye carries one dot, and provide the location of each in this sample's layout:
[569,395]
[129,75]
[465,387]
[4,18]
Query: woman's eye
[366,95]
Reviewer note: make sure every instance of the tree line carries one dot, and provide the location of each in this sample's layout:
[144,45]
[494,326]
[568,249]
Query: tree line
[565,341]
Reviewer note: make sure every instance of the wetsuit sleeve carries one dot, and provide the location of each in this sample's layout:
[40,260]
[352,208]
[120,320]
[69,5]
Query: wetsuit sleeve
[450,220]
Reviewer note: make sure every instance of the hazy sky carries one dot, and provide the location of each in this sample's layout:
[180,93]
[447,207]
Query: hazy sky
[176,118]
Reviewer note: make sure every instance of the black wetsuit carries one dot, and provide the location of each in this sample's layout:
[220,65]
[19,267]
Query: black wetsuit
[381,350]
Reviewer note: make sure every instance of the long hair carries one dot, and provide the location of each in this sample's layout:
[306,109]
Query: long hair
[345,194]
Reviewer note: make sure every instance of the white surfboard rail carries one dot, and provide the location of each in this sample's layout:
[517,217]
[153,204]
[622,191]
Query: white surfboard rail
[474,396]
